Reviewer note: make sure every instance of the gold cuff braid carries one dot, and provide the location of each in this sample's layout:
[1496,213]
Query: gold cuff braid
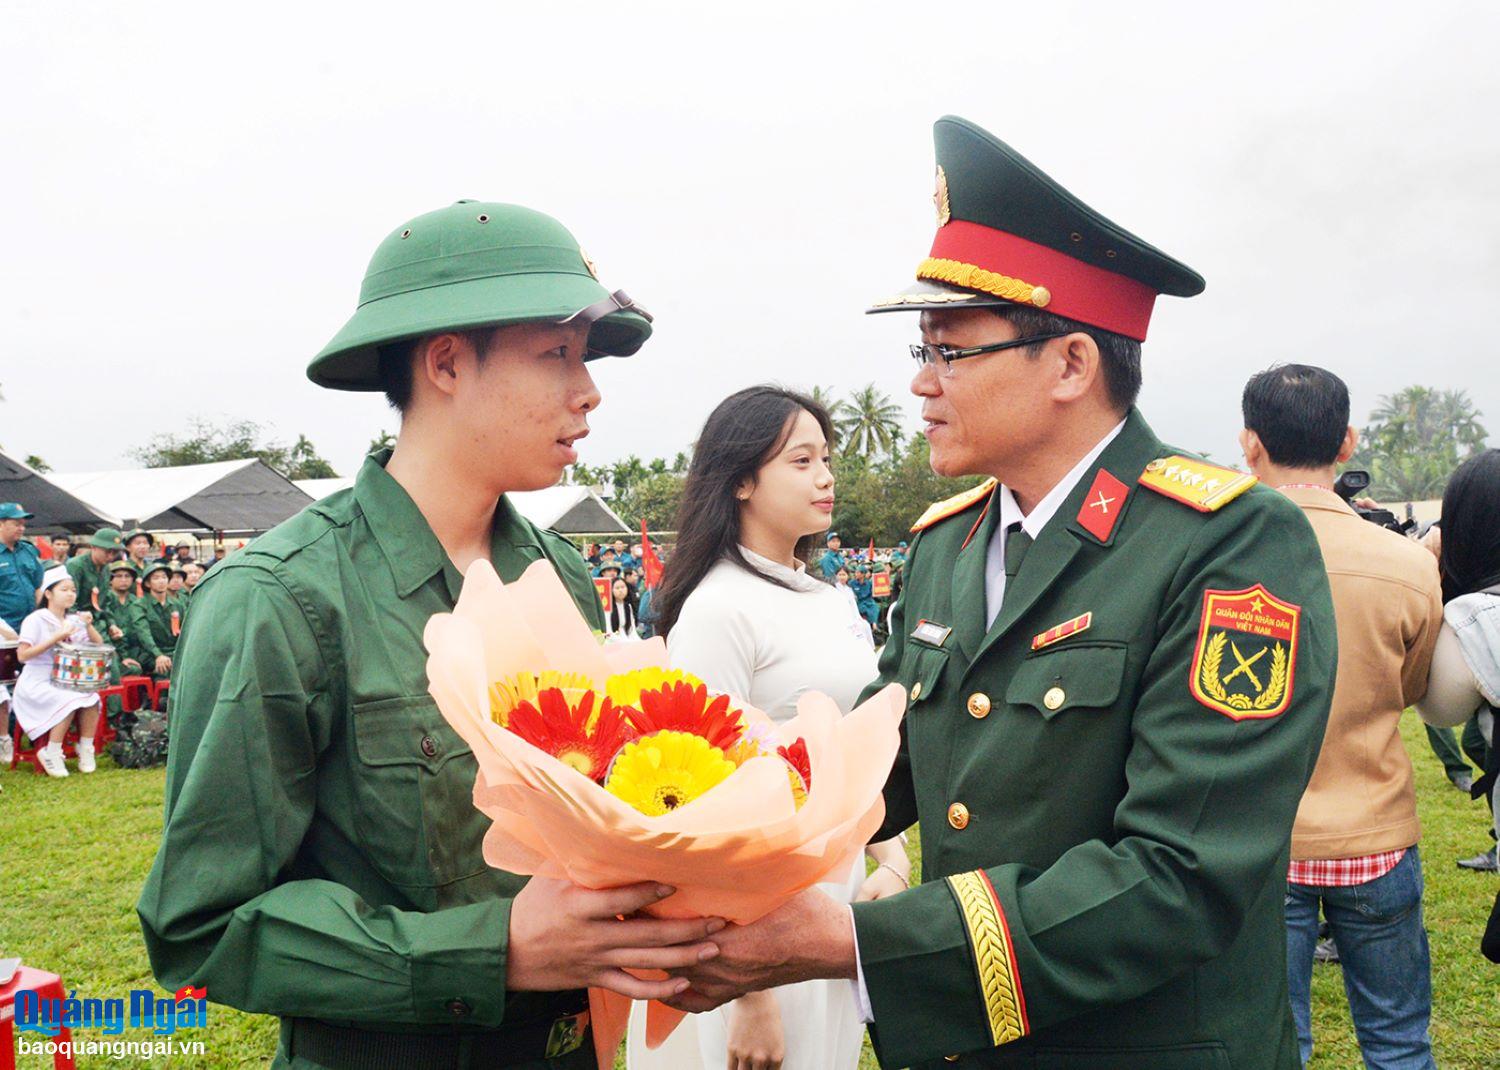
[999,983]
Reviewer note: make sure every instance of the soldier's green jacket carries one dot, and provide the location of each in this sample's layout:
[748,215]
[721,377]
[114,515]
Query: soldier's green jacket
[117,613]
[150,628]
[1116,894]
[321,855]
[92,582]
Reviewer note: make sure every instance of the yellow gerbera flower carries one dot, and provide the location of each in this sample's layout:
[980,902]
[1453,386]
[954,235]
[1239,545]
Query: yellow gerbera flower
[506,695]
[624,689]
[661,772]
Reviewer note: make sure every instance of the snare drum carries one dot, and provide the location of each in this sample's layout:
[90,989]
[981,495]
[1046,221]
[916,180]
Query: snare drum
[82,666]
[10,660]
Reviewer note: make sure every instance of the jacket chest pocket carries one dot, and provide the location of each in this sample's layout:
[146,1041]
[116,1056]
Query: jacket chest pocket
[413,784]
[922,673]
[1083,676]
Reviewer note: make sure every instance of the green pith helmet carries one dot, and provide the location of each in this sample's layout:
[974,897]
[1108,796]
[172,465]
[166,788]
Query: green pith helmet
[122,565]
[155,566]
[106,539]
[133,532]
[475,264]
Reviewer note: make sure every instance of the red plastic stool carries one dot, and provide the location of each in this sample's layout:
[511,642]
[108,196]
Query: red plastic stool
[46,985]
[103,736]
[159,694]
[137,690]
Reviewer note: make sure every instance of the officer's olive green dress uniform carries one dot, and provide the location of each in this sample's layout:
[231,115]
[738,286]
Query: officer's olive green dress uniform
[1106,777]
[321,859]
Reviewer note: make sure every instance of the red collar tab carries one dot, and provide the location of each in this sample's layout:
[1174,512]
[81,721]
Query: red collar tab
[1102,505]
[1071,288]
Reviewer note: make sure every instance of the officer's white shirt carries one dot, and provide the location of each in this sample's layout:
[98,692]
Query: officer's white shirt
[1032,524]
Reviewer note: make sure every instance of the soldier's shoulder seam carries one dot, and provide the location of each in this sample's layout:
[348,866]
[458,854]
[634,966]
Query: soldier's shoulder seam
[953,506]
[1194,482]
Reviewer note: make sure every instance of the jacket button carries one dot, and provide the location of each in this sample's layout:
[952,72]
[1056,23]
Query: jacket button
[916,690]
[429,748]
[979,705]
[459,1008]
[958,816]
[1054,698]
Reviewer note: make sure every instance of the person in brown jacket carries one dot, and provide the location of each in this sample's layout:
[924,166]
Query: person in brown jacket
[1354,843]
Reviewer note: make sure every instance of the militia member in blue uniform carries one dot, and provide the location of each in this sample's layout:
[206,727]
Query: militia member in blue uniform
[321,859]
[833,558]
[20,566]
[1119,661]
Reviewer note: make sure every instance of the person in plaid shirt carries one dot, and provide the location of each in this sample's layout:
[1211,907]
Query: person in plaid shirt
[1354,844]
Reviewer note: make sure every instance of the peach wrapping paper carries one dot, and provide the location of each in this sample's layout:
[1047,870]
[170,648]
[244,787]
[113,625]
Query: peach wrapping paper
[738,852]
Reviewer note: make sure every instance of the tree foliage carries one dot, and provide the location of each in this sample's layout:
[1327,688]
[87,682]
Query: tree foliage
[206,442]
[868,423]
[1414,440]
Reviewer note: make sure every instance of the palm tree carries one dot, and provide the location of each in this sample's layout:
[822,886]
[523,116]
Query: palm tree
[1414,440]
[871,422]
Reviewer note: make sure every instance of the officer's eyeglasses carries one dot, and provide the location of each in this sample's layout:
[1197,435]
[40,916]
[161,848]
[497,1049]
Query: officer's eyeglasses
[943,356]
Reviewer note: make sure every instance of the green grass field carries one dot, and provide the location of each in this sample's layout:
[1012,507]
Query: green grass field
[76,852]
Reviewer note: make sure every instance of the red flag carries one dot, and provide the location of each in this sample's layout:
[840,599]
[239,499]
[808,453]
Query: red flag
[650,564]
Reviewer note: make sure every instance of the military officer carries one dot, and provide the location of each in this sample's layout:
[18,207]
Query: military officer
[1119,661]
[155,622]
[345,890]
[90,571]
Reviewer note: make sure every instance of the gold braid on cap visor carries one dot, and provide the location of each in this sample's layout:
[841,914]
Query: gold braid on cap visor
[970,277]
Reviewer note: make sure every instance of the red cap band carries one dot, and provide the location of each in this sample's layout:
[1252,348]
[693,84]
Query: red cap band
[1078,291]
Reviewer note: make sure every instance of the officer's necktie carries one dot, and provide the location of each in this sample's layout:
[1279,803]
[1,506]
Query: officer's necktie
[1017,542]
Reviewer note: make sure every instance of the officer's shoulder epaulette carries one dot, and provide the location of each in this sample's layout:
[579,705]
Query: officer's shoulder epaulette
[1196,483]
[950,506]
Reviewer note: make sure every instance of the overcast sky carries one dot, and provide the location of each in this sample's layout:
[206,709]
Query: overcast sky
[191,192]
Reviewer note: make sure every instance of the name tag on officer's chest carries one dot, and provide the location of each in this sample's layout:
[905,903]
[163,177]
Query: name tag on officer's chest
[931,632]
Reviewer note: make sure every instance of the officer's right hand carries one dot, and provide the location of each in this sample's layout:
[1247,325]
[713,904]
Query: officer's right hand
[563,936]
[163,665]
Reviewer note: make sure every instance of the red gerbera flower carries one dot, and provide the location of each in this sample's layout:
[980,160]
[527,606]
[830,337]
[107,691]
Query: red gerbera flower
[577,736]
[682,707]
[797,757]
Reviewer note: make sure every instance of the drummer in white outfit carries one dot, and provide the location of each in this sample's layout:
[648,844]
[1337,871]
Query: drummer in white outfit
[740,611]
[41,707]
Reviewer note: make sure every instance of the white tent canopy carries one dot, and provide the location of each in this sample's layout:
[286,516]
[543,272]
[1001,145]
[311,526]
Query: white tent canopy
[227,496]
[569,510]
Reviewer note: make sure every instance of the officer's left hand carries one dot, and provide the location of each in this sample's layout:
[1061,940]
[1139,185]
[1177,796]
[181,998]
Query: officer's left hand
[812,936]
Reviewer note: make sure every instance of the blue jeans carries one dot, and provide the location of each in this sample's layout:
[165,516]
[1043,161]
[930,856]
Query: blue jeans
[1385,958]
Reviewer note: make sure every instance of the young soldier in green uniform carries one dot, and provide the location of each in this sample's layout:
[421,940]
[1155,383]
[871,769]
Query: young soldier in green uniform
[114,617]
[345,890]
[90,571]
[1119,663]
[138,543]
[155,622]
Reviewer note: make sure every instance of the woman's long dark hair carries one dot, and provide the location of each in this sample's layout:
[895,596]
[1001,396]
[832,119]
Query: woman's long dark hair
[742,434]
[1471,526]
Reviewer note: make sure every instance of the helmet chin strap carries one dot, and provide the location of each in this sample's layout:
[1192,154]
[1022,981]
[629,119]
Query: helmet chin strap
[619,301]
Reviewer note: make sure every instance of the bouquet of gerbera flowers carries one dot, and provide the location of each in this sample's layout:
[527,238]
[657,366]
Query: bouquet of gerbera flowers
[600,765]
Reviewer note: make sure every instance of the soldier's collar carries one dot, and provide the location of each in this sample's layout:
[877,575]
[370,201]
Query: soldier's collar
[406,539]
